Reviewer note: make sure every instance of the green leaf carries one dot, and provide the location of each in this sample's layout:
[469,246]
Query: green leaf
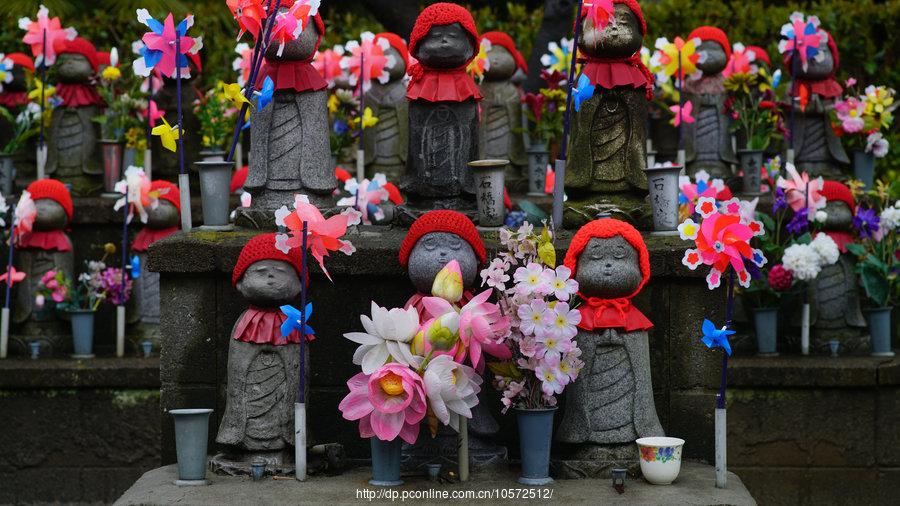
[804,239]
[505,369]
[857,249]
[875,284]
[547,254]
[767,221]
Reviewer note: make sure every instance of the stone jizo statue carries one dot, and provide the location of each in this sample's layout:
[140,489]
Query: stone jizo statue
[387,143]
[501,134]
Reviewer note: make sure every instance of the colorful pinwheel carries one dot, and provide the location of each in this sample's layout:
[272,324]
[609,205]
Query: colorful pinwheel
[800,190]
[328,63]
[481,63]
[803,35]
[366,197]
[582,91]
[249,15]
[716,338]
[167,134]
[241,64]
[159,48]
[682,114]
[741,62]
[264,95]
[704,187]
[370,53]
[44,29]
[136,190]
[25,214]
[289,25]
[559,57]
[599,12]
[6,67]
[296,321]
[12,275]
[668,54]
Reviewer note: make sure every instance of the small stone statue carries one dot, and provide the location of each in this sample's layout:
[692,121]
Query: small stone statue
[434,239]
[165,162]
[263,366]
[289,137]
[443,109]
[387,142]
[72,156]
[611,404]
[609,138]
[817,150]
[707,141]
[162,222]
[45,248]
[15,93]
[501,132]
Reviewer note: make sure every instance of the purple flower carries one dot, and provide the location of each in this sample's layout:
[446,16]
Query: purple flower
[111,283]
[780,200]
[866,222]
[799,224]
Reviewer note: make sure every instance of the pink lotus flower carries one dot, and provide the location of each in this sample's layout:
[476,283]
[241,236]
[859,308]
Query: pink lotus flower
[388,403]
[795,189]
[35,36]
[481,327]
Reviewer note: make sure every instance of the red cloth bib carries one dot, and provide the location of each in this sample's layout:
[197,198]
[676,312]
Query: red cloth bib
[444,85]
[292,75]
[148,236]
[263,326]
[13,98]
[826,88]
[78,95]
[609,73]
[612,314]
[50,240]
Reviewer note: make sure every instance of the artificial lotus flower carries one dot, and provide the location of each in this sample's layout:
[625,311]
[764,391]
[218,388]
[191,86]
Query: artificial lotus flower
[289,25]
[233,93]
[480,63]
[249,15]
[328,63]
[242,63]
[560,56]
[452,390]
[324,235]
[802,35]
[368,119]
[387,336]
[13,276]
[742,61]
[582,91]
[388,403]
[25,214]
[366,197]
[136,188]
[44,29]
[264,95]
[167,134]
[682,114]
[716,338]
[161,43]
[438,336]
[448,283]
[481,327]
[599,12]
[668,55]
[800,190]
[367,60]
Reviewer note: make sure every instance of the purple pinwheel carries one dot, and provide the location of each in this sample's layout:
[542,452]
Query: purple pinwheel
[803,35]
[159,51]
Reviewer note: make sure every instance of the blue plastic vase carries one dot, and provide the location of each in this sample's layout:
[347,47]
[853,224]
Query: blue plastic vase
[535,431]
[82,333]
[864,168]
[386,462]
[191,433]
[880,331]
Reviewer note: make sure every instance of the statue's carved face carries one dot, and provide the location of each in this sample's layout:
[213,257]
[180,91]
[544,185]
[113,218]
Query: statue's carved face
[519,77]
[296,50]
[164,216]
[715,58]
[818,69]
[608,268]
[445,47]
[269,283]
[50,215]
[619,39]
[839,215]
[399,69]
[502,64]
[73,68]
[435,250]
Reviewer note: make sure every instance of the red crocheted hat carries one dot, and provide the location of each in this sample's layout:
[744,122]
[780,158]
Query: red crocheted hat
[397,43]
[761,54]
[605,228]
[714,34]
[53,190]
[442,221]
[79,46]
[22,60]
[168,192]
[262,247]
[835,190]
[442,13]
[505,41]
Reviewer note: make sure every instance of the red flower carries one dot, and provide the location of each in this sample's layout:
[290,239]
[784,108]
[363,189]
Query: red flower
[535,102]
[767,104]
[780,279]
[553,79]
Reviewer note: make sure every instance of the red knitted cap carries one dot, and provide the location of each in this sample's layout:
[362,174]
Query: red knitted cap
[606,228]
[79,46]
[172,195]
[714,34]
[22,60]
[442,221]
[53,190]
[761,54]
[835,190]
[397,43]
[442,13]
[505,41]
[262,247]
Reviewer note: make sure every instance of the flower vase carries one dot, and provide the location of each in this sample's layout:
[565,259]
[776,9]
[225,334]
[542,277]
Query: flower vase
[215,187]
[489,191]
[864,168]
[191,435]
[751,161]
[663,184]
[212,155]
[386,457]
[112,166]
[538,159]
[766,323]
[880,331]
[82,333]
[7,174]
[535,431]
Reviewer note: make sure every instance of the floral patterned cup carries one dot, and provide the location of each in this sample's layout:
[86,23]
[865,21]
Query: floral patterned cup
[660,458]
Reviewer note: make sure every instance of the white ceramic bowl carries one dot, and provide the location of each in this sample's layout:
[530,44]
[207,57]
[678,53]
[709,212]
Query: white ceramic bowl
[660,458]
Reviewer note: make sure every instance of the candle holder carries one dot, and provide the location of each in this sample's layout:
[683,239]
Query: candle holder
[191,435]
[751,163]
[662,181]
[489,191]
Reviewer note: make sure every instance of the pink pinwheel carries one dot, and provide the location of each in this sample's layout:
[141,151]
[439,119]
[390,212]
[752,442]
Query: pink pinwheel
[136,186]
[154,112]
[722,240]
[803,36]
[741,62]
[703,187]
[248,14]
[682,114]
[160,46]
[366,197]
[323,235]
[370,53]
[12,275]
[25,214]
[797,187]
[37,30]
[388,403]
[289,25]
[242,63]
[328,63]
[481,327]
[600,12]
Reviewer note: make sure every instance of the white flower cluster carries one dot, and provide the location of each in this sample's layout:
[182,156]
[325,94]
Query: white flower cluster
[890,217]
[805,261]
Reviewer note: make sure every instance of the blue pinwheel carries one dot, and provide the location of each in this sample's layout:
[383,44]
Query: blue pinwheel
[264,96]
[135,267]
[295,320]
[582,91]
[716,338]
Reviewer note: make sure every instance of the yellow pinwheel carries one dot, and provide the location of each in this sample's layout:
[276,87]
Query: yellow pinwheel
[167,134]
[368,119]
[668,55]
[234,94]
[333,103]
[35,94]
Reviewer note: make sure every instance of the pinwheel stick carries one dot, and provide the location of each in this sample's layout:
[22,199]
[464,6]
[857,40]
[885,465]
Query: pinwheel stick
[720,425]
[184,183]
[41,148]
[361,151]
[148,165]
[792,96]
[300,405]
[4,316]
[120,309]
[804,317]
[559,190]
[679,80]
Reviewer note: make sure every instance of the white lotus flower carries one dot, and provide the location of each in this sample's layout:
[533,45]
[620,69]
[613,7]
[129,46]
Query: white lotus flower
[452,390]
[388,334]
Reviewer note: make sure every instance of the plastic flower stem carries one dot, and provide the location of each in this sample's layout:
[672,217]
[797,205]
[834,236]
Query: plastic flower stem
[559,189]
[43,85]
[301,394]
[729,312]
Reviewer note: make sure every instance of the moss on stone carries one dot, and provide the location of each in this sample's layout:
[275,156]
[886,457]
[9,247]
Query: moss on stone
[124,399]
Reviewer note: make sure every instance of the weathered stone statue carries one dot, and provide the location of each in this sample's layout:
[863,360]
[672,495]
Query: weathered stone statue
[165,162]
[501,132]
[263,366]
[387,142]
[817,149]
[72,155]
[161,223]
[289,137]
[434,239]
[45,248]
[707,141]
[443,109]
[607,154]
[611,404]
[15,93]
